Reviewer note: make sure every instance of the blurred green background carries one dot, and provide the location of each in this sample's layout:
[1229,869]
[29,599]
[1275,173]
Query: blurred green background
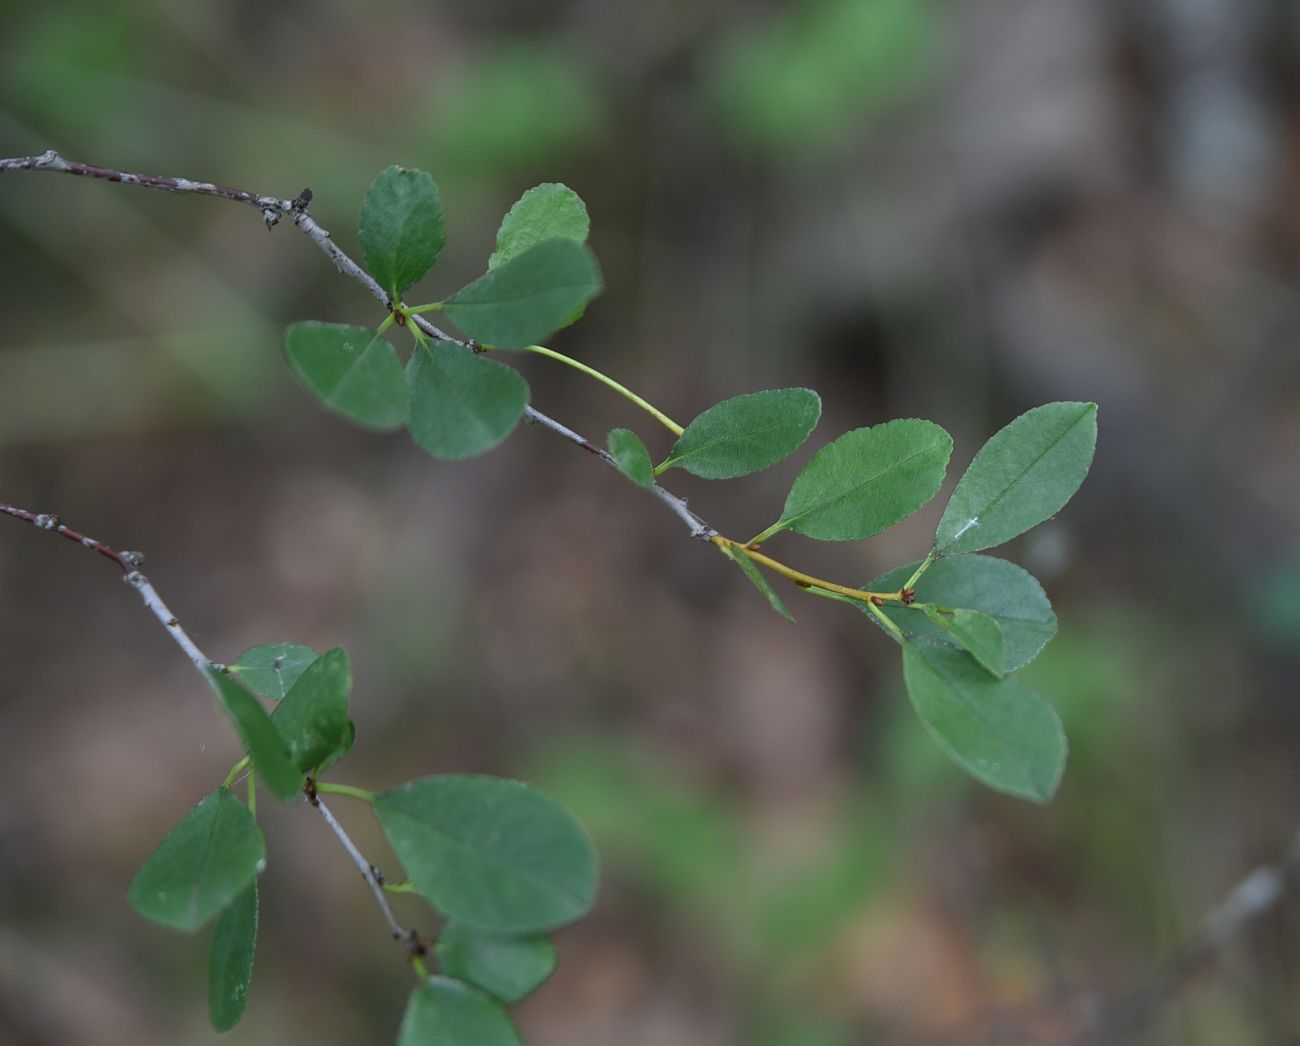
[952,211]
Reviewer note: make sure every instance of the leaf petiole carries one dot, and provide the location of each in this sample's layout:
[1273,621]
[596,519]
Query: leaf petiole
[235,771]
[885,623]
[925,565]
[605,379]
[347,790]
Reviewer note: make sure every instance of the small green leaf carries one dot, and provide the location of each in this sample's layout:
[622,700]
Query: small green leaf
[550,211]
[1004,591]
[751,571]
[272,668]
[978,634]
[444,1012]
[1020,477]
[201,866]
[400,228]
[493,853]
[352,370]
[746,433]
[461,403]
[313,717]
[998,730]
[505,967]
[633,459]
[262,740]
[866,480]
[230,963]
[528,297]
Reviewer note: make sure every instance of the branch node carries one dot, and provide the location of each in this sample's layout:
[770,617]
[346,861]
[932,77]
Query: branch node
[301,200]
[135,560]
[47,522]
[271,217]
[908,596]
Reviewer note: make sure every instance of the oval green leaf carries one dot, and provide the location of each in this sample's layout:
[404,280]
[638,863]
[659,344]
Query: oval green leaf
[313,717]
[230,962]
[493,853]
[352,370]
[550,211]
[272,668]
[746,433]
[262,740]
[201,866]
[1007,593]
[401,228]
[751,571]
[506,967]
[444,1012]
[633,460]
[461,403]
[1020,477]
[865,481]
[998,730]
[978,634]
[528,297]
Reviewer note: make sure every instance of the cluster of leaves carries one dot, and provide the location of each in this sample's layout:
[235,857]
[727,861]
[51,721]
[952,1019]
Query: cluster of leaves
[456,404]
[502,863]
[965,622]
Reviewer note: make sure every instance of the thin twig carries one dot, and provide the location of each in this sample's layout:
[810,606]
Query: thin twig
[130,562]
[272,208]
[370,874]
[1254,894]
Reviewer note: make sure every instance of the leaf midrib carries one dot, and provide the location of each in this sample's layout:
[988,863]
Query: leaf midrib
[974,707]
[750,434]
[495,858]
[790,520]
[1020,478]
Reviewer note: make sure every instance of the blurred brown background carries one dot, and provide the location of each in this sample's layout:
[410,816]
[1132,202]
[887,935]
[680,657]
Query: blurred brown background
[953,211]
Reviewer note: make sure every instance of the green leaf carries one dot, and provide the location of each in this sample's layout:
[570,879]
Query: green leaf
[633,459]
[746,433]
[1008,594]
[444,1012]
[1020,477]
[461,403]
[262,740]
[352,370]
[400,228]
[505,967]
[230,963]
[978,634]
[550,211]
[865,481]
[201,866]
[751,571]
[528,297]
[313,717]
[493,853]
[272,668]
[998,730]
